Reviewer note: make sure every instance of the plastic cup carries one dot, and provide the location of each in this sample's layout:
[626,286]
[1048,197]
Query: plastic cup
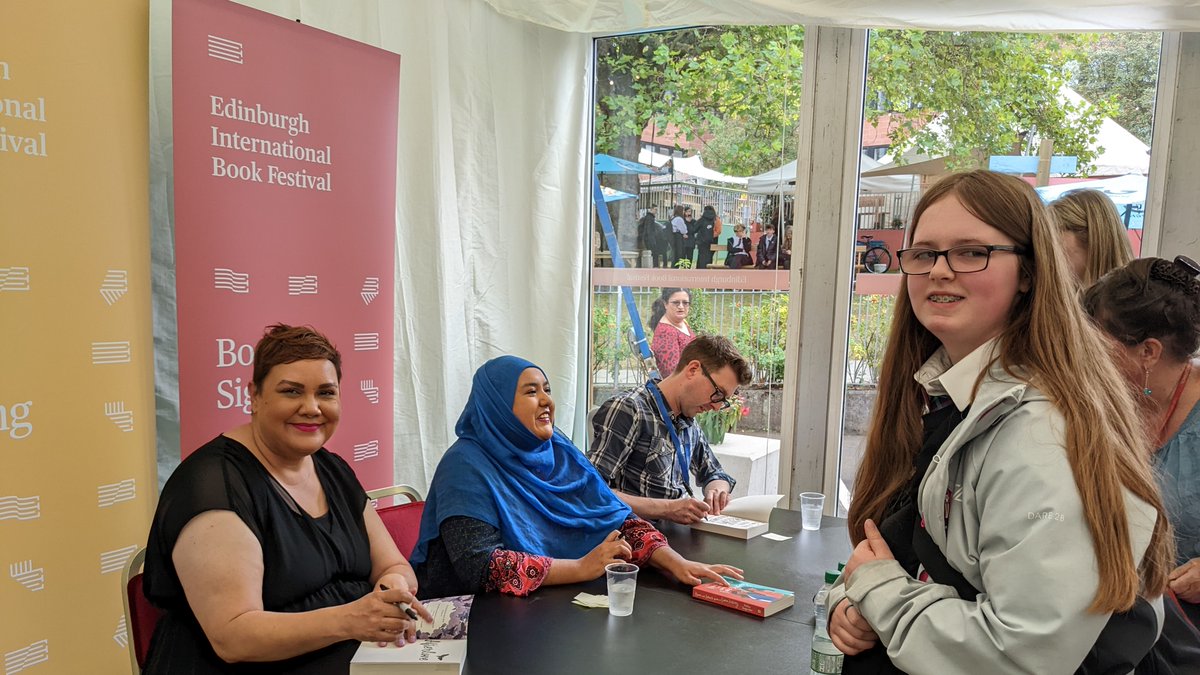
[622,585]
[811,505]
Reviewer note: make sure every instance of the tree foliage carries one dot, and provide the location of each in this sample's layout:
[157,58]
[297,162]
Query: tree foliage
[738,90]
[1122,68]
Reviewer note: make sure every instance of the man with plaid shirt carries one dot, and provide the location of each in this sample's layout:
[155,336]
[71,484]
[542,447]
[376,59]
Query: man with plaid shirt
[645,440]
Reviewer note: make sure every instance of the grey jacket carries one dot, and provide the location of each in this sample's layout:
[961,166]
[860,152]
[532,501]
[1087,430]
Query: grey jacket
[1016,531]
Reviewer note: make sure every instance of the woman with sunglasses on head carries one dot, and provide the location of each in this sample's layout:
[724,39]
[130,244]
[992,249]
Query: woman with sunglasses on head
[1152,308]
[514,504]
[668,320]
[1004,516]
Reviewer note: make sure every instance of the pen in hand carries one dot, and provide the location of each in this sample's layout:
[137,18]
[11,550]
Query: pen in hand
[404,607]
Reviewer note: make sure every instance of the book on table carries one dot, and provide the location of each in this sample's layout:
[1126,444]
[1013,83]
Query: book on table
[745,597]
[441,645]
[744,517]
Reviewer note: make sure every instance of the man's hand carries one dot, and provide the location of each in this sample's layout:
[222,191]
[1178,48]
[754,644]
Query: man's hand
[685,510]
[716,495]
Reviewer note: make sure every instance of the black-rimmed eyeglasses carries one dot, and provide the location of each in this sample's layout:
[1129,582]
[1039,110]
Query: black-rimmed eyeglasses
[961,259]
[718,395]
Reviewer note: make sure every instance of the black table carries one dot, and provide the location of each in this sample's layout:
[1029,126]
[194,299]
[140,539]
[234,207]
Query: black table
[668,632]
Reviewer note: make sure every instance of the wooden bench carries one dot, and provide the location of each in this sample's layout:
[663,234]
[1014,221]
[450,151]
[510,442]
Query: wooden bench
[717,264]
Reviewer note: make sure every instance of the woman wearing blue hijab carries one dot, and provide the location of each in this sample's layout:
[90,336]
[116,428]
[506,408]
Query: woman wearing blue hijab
[514,504]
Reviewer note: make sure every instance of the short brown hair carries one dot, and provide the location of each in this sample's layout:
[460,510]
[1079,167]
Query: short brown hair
[714,352]
[282,344]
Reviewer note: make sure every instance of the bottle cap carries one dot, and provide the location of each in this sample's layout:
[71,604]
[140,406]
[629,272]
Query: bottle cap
[841,566]
[831,576]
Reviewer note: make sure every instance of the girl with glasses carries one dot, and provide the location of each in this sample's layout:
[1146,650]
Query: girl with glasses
[1005,516]
[668,320]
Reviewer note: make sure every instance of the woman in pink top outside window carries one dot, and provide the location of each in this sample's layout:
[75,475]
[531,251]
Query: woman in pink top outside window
[668,318]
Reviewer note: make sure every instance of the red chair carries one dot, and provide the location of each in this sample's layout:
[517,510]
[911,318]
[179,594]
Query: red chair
[140,616]
[403,521]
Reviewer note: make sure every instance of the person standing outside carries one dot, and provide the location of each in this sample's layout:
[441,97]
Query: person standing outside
[706,229]
[646,440]
[680,242]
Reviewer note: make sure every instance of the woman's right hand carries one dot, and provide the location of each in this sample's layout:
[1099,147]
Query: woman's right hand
[612,550]
[376,617]
[849,631]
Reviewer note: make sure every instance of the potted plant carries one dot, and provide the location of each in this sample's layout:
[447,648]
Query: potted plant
[716,423]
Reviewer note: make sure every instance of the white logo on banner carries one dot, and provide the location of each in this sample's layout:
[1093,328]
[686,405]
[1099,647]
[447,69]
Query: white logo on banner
[121,417]
[366,450]
[225,279]
[14,279]
[121,634]
[20,508]
[366,342]
[226,50]
[111,352]
[33,578]
[115,284]
[306,285]
[370,289]
[112,561]
[115,493]
[368,387]
[20,659]
[12,420]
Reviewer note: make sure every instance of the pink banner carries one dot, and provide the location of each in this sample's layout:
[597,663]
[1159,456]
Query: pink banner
[285,177]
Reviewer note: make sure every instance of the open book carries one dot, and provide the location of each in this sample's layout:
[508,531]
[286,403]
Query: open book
[744,517]
[441,645]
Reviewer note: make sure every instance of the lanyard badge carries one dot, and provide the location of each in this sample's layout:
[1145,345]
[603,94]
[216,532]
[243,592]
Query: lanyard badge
[682,452]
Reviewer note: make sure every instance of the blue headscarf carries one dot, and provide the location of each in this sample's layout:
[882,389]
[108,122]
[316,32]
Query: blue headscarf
[544,497]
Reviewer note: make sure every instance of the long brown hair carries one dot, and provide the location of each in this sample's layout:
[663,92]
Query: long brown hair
[1050,343]
[1092,217]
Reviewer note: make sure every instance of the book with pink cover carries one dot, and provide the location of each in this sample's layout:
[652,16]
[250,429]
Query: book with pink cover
[441,645]
[745,597]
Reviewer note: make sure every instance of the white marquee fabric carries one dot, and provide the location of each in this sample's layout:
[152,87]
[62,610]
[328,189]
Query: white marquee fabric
[613,16]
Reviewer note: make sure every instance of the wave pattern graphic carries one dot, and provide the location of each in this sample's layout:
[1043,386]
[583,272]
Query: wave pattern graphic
[225,49]
[20,508]
[115,493]
[366,342]
[115,411]
[20,659]
[121,634]
[370,290]
[104,353]
[364,451]
[225,279]
[14,279]
[114,285]
[112,561]
[306,285]
[370,390]
[24,573]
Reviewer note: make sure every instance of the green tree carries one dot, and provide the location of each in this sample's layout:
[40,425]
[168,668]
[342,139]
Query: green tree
[1122,68]
[738,90]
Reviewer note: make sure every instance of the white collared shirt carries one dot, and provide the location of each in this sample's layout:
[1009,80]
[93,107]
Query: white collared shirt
[939,377]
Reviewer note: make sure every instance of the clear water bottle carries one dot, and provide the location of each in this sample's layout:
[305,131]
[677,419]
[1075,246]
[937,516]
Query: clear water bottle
[826,659]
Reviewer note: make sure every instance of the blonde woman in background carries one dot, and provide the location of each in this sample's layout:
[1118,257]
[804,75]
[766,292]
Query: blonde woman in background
[1093,235]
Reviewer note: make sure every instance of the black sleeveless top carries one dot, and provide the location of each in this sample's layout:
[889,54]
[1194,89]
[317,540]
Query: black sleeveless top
[309,563]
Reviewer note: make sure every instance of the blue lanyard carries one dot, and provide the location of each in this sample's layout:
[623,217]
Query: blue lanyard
[683,453]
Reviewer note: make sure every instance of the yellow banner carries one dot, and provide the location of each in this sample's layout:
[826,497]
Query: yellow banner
[78,483]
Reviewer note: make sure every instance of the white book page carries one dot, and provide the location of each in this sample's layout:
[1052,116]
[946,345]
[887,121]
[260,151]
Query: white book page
[752,507]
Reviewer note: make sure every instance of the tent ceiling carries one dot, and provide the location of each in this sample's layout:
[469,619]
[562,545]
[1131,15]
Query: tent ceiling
[614,16]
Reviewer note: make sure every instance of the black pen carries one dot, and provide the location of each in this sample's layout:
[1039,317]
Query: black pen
[403,606]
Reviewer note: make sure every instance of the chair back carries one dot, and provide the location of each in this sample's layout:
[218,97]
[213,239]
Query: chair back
[403,521]
[141,617]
